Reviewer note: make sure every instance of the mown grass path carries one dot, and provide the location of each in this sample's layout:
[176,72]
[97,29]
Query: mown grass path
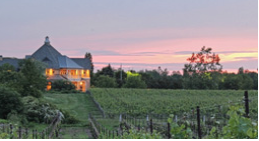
[78,105]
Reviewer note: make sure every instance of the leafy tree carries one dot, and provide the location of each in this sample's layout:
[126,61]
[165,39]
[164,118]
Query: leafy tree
[12,79]
[34,81]
[89,55]
[241,70]
[198,73]
[120,76]
[147,77]
[254,77]
[134,82]
[107,71]
[230,81]
[203,61]
[104,81]
[245,82]
[9,101]
[7,67]
[176,81]
[156,78]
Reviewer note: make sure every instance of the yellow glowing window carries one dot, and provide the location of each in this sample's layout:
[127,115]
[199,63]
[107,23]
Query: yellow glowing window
[49,72]
[87,73]
[49,86]
[63,72]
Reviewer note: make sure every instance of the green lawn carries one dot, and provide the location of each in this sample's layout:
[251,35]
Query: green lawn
[78,105]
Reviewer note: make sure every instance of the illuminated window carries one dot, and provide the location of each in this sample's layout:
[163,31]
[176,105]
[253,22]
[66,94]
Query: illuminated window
[87,73]
[49,72]
[49,86]
[63,72]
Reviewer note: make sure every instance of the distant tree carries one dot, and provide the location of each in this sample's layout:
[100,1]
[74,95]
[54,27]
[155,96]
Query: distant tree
[134,81]
[203,61]
[146,76]
[248,83]
[10,100]
[120,76]
[245,82]
[241,70]
[34,81]
[107,71]
[89,55]
[198,73]
[104,81]
[236,81]
[254,77]
[176,81]
[160,79]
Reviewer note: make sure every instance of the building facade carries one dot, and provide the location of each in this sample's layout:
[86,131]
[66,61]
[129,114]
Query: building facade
[59,67]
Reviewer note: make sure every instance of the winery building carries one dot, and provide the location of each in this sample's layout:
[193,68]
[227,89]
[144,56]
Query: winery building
[59,67]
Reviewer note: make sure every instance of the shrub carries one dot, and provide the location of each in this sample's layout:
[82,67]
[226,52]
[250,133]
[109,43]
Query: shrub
[134,82]
[9,100]
[104,81]
[69,119]
[39,110]
[62,85]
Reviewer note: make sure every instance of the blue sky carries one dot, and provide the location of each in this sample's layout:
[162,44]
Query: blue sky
[138,33]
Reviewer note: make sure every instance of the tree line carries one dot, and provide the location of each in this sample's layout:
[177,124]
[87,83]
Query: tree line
[203,71]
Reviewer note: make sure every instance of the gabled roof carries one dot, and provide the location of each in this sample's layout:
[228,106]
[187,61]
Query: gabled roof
[65,62]
[48,55]
[84,62]
[12,61]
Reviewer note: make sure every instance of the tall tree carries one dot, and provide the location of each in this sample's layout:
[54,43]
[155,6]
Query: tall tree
[89,55]
[120,76]
[34,81]
[203,61]
[107,71]
[197,73]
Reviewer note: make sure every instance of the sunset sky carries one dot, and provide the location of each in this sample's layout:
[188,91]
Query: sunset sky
[139,34]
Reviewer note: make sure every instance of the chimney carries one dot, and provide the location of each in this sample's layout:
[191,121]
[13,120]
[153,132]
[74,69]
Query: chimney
[1,58]
[47,40]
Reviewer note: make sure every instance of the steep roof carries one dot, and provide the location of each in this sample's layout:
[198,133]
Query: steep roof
[48,55]
[84,62]
[12,61]
[65,62]
[52,58]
